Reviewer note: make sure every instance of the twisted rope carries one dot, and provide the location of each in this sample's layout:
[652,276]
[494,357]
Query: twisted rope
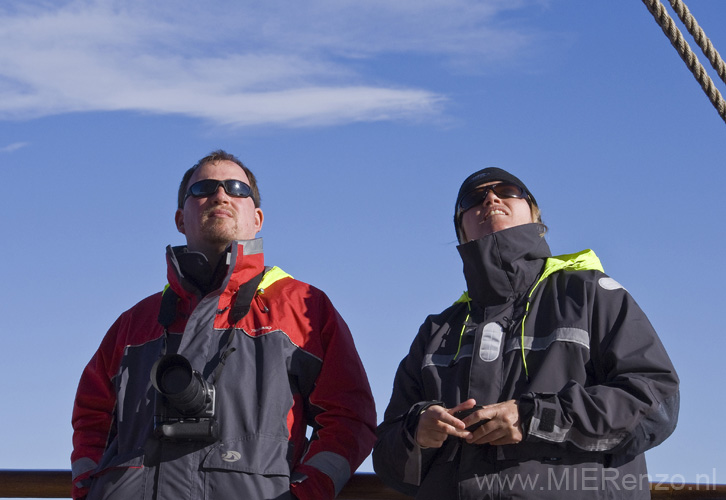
[700,37]
[684,50]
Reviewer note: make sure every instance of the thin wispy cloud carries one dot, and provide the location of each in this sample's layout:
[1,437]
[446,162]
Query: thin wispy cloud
[13,147]
[238,63]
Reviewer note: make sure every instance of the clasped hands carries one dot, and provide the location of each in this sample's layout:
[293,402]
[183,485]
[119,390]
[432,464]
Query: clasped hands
[437,423]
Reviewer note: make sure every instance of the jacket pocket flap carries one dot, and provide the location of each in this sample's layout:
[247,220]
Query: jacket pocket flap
[255,454]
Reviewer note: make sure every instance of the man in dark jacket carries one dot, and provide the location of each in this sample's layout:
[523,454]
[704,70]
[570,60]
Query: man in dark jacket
[208,389]
[545,380]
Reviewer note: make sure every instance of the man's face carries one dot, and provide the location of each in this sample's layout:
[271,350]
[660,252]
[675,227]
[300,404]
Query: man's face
[213,222]
[494,214]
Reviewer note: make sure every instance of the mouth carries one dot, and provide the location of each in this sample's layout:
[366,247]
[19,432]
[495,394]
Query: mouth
[494,212]
[220,213]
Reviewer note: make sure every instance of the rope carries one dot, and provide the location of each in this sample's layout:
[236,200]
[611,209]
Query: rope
[684,50]
[700,37]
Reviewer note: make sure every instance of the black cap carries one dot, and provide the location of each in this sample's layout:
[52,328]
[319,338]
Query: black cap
[490,174]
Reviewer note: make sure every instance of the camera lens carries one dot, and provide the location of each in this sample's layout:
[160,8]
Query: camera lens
[184,388]
[175,379]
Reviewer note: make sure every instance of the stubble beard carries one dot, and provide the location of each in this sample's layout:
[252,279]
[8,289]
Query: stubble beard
[220,232]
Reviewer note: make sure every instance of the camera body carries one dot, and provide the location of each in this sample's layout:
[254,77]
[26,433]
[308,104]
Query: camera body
[461,415]
[185,403]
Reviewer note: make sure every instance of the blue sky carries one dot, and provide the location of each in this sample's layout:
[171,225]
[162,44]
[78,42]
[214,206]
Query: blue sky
[360,120]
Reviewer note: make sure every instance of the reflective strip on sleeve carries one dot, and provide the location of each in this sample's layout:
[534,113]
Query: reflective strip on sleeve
[560,435]
[412,470]
[82,466]
[335,466]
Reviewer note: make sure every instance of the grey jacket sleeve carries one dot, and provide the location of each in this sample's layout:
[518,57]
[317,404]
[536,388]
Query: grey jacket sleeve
[397,459]
[632,402]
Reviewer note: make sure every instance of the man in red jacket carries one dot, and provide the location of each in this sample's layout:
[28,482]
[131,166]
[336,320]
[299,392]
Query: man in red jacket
[207,390]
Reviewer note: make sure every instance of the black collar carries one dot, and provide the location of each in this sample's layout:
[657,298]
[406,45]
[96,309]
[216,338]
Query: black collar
[501,266]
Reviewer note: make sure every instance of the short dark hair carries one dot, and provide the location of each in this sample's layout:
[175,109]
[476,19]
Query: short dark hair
[213,157]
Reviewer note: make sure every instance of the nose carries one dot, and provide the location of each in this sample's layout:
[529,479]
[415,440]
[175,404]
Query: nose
[220,195]
[491,197]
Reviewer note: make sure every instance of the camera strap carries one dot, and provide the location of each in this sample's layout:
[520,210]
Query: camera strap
[167,310]
[245,294]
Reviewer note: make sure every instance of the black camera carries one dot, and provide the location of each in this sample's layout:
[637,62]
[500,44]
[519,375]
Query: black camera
[461,415]
[185,402]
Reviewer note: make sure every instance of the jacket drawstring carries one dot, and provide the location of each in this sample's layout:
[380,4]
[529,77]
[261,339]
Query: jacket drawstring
[463,326]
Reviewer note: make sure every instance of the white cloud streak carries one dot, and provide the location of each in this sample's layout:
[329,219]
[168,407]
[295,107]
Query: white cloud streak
[13,147]
[237,63]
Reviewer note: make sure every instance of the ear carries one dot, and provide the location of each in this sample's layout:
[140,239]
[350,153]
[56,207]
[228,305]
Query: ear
[259,219]
[179,220]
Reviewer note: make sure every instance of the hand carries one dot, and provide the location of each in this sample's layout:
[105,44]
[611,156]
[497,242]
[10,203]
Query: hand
[503,427]
[437,423]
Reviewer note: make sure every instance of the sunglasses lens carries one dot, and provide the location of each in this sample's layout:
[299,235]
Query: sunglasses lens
[503,190]
[472,198]
[237,188]
[207,187]
[508,191]
[203,188]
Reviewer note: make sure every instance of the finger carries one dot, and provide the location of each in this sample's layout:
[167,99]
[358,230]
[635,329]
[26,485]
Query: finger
[452,426]
[497,432]
[432,416]
[434,437]
[469,403]
[481,436]
[457,420]
[451,421]
[505,440]
[461,433]
[430,437]
[493,428]
[503,436]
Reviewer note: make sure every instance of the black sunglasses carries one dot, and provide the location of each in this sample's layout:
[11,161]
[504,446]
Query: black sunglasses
[502,190]
[208,187]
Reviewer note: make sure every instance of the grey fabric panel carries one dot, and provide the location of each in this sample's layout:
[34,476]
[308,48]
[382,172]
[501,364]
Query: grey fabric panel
[576,335]
[447,359]
[335,466]
[560,434]
[81,466]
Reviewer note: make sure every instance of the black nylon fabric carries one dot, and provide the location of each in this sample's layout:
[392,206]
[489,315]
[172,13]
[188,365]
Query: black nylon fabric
[504,264]
[601,390]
